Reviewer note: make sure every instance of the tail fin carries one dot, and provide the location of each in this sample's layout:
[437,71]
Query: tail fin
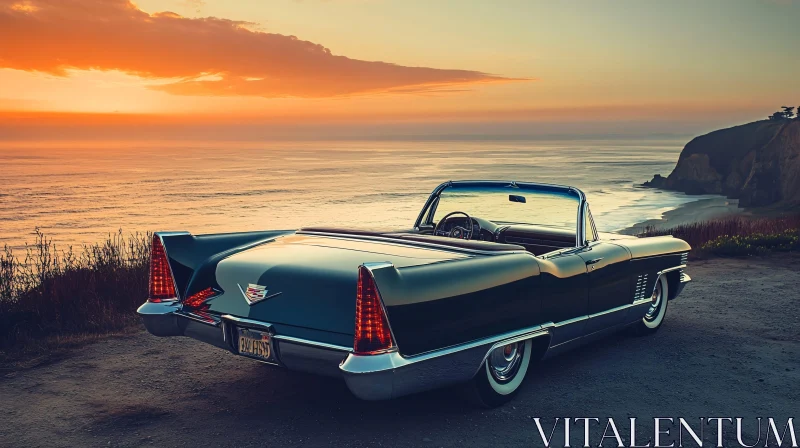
[192,260]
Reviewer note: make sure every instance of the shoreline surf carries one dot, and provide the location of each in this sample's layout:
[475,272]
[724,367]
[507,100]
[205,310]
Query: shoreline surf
[705,209]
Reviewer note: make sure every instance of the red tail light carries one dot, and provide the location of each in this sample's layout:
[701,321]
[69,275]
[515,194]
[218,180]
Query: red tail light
[162,286]
[197,299]
[372,329]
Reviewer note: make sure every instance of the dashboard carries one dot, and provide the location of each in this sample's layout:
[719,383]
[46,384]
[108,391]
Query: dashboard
[455,227]
[537,239]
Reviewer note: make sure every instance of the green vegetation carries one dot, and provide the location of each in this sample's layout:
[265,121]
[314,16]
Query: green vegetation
[67,294]
[755,244]
[738,236]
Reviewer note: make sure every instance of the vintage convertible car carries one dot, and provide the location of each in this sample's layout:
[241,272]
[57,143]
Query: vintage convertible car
[493,275]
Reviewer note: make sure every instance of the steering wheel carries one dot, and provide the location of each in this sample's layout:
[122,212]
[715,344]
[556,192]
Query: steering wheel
[456,231]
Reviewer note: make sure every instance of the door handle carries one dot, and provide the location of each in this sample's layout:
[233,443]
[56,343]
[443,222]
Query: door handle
[593,261]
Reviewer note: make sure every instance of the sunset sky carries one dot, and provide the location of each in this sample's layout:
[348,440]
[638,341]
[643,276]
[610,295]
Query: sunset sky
[514,64]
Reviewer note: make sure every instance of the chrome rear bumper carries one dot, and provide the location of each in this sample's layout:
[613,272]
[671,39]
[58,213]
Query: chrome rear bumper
[370,377]
[166,319]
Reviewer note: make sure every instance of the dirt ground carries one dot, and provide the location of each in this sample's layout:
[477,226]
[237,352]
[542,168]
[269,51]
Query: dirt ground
[730,347]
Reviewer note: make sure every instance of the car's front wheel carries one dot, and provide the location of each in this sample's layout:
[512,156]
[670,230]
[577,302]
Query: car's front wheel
[654,317]
[502,373]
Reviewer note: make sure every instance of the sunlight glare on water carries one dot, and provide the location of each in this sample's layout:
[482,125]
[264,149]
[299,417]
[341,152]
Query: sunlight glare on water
[78,192]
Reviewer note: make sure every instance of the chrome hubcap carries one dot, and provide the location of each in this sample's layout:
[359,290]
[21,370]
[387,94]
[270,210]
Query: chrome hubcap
[504,362]
[655,303]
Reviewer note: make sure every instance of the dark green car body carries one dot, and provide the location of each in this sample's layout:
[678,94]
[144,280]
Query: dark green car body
[447,300]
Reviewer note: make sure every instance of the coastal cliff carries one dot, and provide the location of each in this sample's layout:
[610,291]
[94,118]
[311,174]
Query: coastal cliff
[757,163]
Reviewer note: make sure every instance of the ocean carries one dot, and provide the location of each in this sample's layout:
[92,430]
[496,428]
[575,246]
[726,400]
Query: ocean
[79,192]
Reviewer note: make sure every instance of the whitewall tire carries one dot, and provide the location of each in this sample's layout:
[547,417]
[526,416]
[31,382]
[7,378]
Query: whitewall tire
[502,374]
[654,316]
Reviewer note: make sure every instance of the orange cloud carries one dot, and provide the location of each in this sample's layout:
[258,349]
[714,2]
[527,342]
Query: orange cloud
[207,56]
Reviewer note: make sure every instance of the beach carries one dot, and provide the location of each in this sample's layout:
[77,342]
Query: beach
[698,211]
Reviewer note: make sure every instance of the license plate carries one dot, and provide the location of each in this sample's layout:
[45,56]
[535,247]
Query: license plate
[255,344]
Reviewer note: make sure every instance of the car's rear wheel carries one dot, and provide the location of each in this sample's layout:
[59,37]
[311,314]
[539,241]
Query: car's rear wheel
[654,317]
[501,375]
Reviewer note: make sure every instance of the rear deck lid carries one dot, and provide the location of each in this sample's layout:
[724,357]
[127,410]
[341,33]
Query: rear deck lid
[308,280]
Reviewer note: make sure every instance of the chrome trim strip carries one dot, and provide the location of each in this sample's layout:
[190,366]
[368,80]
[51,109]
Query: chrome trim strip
[158,308]
[244,295]
[394,360]
[554,348]
[580,232]
[249,322]
[524,337]
[683,266]
[611,310]
[262,361]
[595,235]
[413,243]
[665,254]
[665,271]
[384,240]
[378,265]
[574,320]
[292,339]
[640,287]
[431,197]
[174,233]
[209,319]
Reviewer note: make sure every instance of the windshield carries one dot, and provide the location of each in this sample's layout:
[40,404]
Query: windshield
[511,204]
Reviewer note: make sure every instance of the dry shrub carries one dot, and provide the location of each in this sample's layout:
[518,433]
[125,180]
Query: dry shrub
[51,292]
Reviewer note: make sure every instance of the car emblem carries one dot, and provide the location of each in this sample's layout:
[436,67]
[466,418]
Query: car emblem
[256,293]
